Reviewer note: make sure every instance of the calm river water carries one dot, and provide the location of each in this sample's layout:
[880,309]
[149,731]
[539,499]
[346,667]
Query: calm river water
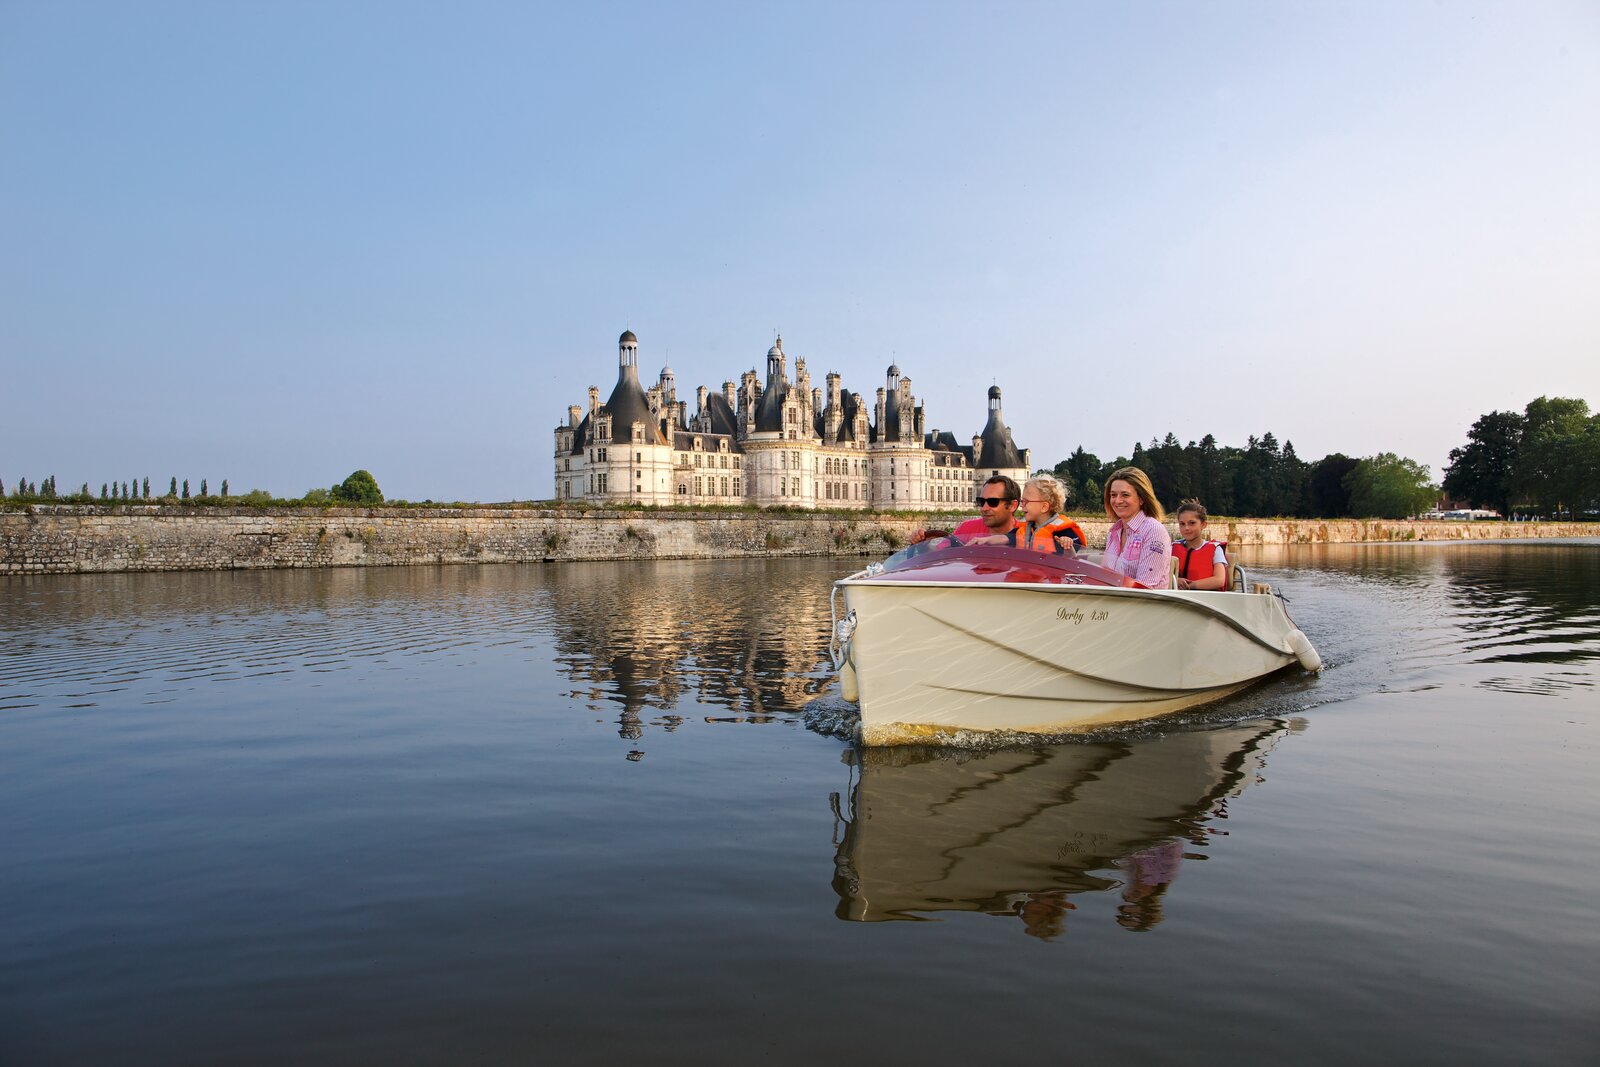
[591,813]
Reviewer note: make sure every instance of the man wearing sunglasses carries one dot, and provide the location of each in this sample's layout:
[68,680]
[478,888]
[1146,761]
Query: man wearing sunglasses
[996,523]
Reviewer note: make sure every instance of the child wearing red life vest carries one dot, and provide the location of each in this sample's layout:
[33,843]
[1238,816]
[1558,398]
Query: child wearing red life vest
[1202,564]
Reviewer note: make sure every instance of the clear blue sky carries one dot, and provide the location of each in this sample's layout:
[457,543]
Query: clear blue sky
[274,242]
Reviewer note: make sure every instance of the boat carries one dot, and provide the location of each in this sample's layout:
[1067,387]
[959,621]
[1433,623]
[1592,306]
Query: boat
[1020,831]
[945,637]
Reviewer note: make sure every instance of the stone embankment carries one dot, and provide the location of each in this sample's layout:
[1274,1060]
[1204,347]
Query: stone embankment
[68,539]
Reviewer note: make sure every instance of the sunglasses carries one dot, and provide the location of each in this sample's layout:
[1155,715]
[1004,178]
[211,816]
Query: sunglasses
[992,501]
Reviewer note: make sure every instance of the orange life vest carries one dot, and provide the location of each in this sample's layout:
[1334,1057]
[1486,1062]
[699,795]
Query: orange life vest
[1043,538]
[1198,563]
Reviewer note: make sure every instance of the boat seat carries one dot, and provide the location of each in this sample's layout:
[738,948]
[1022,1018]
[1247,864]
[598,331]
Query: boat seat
[1172,573]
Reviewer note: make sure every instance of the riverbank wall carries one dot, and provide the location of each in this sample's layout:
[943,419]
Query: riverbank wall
[71,539]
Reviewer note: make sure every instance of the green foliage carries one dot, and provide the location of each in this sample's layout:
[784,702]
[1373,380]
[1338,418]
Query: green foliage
[1327,496]
[1551,456]
[1482,472]
[319,498]
[1546,459]
[360,488]
[1080,474]
[1388,486]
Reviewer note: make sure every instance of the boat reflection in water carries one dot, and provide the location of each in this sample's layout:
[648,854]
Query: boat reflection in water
[1021,831]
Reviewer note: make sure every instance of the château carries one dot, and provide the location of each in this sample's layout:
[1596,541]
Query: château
[781,442]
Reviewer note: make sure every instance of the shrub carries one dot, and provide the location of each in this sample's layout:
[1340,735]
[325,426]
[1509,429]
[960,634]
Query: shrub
[360,488]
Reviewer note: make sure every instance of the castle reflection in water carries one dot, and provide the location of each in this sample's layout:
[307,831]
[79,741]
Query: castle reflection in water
[745,641]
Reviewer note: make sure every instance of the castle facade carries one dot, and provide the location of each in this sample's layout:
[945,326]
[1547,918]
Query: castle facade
[778,443]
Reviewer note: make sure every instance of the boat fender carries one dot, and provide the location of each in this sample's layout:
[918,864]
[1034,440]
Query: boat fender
[847,679]
[1300,645]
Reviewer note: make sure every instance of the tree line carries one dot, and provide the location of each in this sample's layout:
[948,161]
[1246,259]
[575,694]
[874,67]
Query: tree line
[1544,460]
[360,488]
[1260,480]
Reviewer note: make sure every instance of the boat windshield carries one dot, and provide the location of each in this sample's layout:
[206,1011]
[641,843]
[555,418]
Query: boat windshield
[946,559]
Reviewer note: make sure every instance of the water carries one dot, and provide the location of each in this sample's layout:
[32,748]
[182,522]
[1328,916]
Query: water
[571,814]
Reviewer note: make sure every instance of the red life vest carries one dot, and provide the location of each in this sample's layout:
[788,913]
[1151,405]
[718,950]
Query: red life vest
[1195,564]
[1043,538]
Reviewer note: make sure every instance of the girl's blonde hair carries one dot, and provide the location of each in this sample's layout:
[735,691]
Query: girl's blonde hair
[1055,497]
[1141,486]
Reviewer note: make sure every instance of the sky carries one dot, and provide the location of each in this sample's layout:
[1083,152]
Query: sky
[275,243]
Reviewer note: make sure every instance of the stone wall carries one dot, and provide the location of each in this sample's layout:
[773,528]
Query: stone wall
[65,539]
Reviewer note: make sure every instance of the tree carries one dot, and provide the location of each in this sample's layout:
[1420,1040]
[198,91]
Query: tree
[1390,487]
[1329,498]
[1080,473]
[186,489]
[1170,471]
[224,487]
[172,490]
[1553,429]
[105,491]
[203,491]
[1289,483]
[1255,475]
[1483,471]
[360,488]
[146,494]
[1212,485]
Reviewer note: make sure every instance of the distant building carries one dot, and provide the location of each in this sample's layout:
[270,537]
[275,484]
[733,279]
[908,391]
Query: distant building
[783,442]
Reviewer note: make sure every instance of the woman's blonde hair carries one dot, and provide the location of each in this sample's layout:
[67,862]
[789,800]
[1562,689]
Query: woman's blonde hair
[1055,497]
[1141,486]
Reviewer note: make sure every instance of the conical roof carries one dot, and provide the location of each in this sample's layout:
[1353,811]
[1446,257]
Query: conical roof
[627,405]
[998,448]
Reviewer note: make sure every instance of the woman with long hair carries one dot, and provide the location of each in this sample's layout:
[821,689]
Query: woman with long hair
[1138,545]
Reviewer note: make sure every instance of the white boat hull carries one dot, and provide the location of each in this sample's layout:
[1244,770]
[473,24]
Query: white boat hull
[934,658]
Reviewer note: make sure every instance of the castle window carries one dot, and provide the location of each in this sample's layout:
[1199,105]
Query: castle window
[736,489]
[724,486]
